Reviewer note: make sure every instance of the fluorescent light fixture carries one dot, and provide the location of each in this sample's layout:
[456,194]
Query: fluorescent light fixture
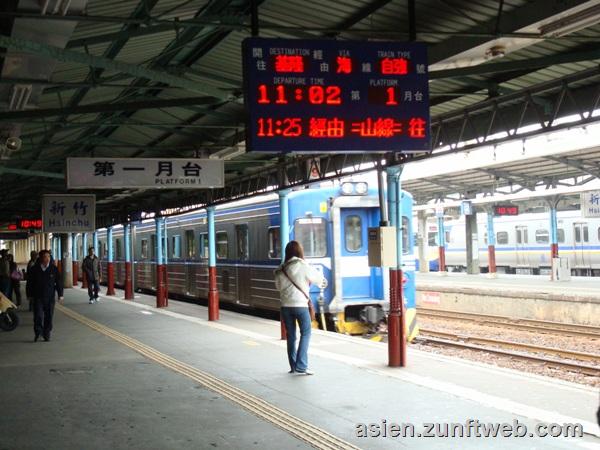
[571,23]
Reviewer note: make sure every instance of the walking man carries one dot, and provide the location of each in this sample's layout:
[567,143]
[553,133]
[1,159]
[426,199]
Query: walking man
[29,285]
[93,272]
[46,283]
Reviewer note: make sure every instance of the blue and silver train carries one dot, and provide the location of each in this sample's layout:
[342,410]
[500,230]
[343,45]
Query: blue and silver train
[331,224]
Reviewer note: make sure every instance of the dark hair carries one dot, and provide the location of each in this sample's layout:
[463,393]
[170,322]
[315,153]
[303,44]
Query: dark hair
[293,248]
[91,248]
[42,253]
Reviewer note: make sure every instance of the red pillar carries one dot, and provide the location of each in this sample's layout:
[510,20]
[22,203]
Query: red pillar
[59,265]
[553,251]
[394,359]
[110,278]
[402,328]
[128,282]
[213,294]
[75,273]
[492,258]
[84,282]
[442,258]
[161,300]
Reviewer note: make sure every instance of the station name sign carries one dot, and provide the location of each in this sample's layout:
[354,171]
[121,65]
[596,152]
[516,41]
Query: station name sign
[329,96]
[69,213]
[152,173]
[590,204]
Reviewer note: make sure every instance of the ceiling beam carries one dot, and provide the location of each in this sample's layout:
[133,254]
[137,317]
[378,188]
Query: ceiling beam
[94,108]
[31,173]
[59,54]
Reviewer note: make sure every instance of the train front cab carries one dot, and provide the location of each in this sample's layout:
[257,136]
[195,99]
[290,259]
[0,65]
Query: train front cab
[357,298]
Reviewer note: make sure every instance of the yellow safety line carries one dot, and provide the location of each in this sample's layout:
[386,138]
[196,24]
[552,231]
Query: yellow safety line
[312,435]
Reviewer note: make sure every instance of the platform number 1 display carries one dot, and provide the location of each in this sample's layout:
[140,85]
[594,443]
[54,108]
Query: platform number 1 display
[324,96]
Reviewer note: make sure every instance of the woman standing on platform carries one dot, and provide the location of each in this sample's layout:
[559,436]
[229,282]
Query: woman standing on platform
[292,280]
[15,279]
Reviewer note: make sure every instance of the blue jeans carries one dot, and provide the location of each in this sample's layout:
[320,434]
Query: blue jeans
[298,358]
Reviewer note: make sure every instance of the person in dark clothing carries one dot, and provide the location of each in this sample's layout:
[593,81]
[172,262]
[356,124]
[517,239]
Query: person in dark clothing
[28,284]
[5,286]
[46,282]
[15,279]
[93,273]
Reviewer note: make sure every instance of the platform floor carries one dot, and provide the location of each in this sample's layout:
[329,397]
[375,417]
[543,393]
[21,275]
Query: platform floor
[123,375]
[538,284]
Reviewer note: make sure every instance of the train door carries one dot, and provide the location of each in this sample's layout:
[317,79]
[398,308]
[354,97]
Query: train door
[190,258]
[359,280]
[521,240]
[243,269]
[581,239]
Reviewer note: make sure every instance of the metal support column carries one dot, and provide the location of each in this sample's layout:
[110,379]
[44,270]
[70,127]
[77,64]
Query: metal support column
[67,265]
[491,241]
[442,243]
[423,242]
[396,334]
[75,259]
[95,241]
[58,254]
[213,290]
[84,250]
[128,280]
[471,243]
[284,237]
[160,267]
[110,263]
[553,233]
[165,261]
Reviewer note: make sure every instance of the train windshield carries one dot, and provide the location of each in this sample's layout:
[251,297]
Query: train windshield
[312,234]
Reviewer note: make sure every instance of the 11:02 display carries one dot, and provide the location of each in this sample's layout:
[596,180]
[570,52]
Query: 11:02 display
[280,94]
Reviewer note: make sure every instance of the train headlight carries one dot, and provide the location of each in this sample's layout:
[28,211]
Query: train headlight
[347,188]
[361,188]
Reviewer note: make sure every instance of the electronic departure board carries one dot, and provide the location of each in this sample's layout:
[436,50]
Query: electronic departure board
[335,96]
[506,210]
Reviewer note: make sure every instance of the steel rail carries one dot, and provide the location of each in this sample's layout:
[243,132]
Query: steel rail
[515,323]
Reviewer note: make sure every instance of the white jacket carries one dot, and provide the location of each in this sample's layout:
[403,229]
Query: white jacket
[303,275]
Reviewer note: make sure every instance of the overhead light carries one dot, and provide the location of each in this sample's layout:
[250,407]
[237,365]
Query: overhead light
[13,143]
[571,23]
[497,51]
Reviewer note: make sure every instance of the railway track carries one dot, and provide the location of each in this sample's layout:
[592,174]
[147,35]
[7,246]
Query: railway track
[470,343]
[538,326]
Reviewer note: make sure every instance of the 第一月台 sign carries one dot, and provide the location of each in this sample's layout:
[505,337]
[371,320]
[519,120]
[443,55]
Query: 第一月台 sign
[68,213]
[153,173]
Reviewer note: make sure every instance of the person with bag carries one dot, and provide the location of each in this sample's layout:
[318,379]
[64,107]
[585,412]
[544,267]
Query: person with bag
[292,279]
[15,279]
[93,273]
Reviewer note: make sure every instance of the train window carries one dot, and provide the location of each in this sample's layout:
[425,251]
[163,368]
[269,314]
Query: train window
[522,237]
[144,253]
[119,248]
[312,234]
[274,243]
[581,233]
[153,246]
[353,231]
[204,245]
[542,236]
[190,244]
[447,237]
[502,237]
[586,236]
[241,237]
[561,235]
[599,233]
[405,235]
[432,238]
[176,246]
[222,244]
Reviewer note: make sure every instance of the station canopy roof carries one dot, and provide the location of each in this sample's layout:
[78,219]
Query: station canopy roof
[163,78]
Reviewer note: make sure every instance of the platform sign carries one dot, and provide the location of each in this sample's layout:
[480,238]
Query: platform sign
[147,173]
[590,204]
[69,213]
[335,96]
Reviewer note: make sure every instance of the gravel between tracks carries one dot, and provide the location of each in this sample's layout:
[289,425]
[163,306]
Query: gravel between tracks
[580,344]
